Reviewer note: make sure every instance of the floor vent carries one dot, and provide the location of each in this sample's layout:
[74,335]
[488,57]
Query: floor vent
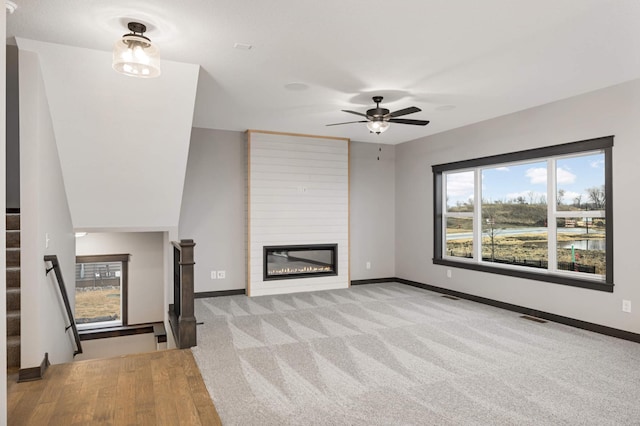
[534,319]
[450,297]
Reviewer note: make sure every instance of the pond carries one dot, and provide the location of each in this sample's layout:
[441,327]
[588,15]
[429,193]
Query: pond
[599,244]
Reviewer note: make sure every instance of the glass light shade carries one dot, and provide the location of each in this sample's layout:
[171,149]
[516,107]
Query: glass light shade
[378,126]
[136,56]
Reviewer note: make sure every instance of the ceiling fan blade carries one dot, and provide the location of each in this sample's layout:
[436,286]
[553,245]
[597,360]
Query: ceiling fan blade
[407,121]
[348,122]
[405,111]
[354,112]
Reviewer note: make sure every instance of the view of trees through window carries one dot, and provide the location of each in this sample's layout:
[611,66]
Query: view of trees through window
[547,214]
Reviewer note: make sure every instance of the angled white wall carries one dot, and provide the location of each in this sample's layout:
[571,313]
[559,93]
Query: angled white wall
[123,142]
[3,243]
[45,227]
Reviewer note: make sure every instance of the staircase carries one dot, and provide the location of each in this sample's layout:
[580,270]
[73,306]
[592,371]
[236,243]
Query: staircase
[13,290]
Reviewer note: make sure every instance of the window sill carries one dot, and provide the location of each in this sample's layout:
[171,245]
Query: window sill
[118,331]
[537,276]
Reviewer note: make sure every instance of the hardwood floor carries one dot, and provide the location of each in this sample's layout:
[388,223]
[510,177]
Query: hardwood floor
[156,388]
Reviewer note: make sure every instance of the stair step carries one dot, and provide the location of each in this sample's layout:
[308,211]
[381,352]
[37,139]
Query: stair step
[13,351]
[13,277]
[13,257]
[13,239]
[13,299]
[13,323]
[13,222]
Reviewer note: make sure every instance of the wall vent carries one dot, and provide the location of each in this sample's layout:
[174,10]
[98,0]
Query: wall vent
[450,297]
[534,319]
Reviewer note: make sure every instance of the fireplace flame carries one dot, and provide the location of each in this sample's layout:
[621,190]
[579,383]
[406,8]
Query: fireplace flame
[302,270]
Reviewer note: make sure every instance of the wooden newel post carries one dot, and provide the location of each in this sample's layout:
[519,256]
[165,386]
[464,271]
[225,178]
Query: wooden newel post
[187,319]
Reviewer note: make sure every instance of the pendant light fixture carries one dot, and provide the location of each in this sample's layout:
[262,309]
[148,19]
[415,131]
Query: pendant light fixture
[135,55]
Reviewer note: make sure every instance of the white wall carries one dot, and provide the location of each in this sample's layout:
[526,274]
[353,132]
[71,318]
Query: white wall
[298,194]
[44,212]
[123,141]
[213,207]
[372,216]
[146,269]
[117,346]
[611,111]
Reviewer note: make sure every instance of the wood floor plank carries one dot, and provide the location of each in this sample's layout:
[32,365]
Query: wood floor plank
[163,387]
[188,413]
[199,394]
[167,409]
[30,399]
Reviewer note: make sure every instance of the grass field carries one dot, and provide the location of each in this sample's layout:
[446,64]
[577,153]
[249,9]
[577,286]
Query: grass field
[97,303]
[532,247]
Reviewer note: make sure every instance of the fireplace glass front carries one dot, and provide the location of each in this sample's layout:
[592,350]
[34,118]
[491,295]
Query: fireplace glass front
[300,261]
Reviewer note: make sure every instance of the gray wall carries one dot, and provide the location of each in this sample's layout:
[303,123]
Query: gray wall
[372,213]
[13,130]
[146,269]
[611,111]
[213,207]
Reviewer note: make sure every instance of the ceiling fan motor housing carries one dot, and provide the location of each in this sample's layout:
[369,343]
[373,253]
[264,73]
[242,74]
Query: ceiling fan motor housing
[377,113]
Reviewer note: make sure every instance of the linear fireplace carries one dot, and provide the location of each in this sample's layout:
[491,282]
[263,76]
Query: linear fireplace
[300,261]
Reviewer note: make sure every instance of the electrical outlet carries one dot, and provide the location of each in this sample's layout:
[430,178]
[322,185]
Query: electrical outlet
[368,265]
[626,306]
[214,275]
[448,273]
[222,275]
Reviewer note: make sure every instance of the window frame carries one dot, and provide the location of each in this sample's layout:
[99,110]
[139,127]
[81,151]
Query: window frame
[604,144]
[124,288]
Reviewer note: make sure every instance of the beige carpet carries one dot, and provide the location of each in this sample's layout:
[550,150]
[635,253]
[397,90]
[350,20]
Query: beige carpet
[390,354]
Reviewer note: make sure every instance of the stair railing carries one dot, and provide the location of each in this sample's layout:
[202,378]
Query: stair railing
[55,266]
[181,311]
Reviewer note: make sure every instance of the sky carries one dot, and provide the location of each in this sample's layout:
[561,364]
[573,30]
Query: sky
[507,182]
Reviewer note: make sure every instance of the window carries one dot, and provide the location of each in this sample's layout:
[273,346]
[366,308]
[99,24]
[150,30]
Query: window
[101,290]
[543,214]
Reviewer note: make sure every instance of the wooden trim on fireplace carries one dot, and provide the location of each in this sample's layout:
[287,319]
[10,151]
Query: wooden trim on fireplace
[349,212]
[248,213]
[268,132]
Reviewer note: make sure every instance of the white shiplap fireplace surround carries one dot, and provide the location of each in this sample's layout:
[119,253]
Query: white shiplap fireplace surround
[298,193]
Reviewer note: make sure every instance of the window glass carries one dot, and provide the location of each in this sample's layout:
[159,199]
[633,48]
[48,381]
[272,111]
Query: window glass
[98,293]
[460,236]
[580,183]
[514,214]
[581,245]
[459,191]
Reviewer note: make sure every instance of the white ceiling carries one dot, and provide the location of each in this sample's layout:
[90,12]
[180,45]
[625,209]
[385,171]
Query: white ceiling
[483,58]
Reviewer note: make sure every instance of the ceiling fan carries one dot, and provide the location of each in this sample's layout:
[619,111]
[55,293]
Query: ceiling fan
[378,119]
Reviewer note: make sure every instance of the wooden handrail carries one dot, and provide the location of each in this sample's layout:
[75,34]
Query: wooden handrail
[181,312]
[55,266]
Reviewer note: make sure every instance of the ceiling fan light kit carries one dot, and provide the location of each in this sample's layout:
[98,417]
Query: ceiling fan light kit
[134,54]
[378,126]
[379,119]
